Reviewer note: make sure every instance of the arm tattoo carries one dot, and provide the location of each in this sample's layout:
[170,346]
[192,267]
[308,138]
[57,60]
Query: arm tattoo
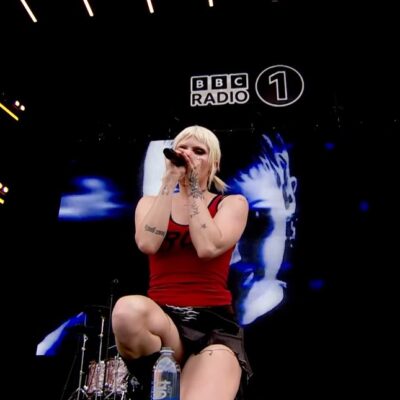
[195,210]
[195,190]
[153,229]
[204,226]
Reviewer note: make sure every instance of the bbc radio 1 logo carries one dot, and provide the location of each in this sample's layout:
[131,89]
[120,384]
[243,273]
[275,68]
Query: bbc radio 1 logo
[219,89]
[276,86]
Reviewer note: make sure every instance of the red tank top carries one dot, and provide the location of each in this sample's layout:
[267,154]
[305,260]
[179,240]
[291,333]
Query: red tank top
[179,277]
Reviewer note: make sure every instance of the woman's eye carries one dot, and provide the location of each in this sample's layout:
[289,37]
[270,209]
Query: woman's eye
[260,223]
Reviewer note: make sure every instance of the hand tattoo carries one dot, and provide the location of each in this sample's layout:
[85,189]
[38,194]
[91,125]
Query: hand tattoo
[153,229]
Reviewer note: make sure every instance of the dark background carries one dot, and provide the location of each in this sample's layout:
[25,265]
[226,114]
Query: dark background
[102,87]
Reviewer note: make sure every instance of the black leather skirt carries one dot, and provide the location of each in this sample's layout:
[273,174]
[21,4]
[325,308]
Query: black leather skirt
[200,327]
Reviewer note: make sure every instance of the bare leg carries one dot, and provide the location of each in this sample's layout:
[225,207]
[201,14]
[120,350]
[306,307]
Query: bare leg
[141,327]
[213,374]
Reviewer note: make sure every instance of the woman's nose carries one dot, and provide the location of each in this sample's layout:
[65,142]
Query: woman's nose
[188,152]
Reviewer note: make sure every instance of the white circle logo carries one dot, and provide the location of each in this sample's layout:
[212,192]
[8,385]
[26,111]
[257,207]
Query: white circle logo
[279,85]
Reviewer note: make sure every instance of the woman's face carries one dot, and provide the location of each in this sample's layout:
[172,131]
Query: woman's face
[199,153]
[263,244]
[259,256]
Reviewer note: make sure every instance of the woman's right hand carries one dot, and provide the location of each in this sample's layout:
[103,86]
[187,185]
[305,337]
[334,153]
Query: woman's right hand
[173,172]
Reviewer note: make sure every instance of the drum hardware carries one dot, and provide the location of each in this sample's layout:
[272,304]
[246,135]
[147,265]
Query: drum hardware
[110,377]
[95,378]
[79,390]
[100,364]
[107,379]
[113,286]
[116,378]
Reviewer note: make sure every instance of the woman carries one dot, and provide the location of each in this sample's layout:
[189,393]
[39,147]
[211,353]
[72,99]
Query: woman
[189,236]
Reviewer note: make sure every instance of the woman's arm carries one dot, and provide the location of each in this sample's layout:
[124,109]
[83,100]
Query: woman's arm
[153,212]
[213,236]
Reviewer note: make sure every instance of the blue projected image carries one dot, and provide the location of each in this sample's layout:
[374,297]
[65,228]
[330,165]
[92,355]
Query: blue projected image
[270,190]
[94,198]
[52,342]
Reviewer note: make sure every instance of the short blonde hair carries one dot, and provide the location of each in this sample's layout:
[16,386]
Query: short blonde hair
[208,138]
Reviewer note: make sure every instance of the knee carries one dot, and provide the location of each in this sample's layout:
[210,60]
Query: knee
[129,312]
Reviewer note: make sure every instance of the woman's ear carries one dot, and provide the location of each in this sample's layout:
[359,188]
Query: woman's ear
[293,183]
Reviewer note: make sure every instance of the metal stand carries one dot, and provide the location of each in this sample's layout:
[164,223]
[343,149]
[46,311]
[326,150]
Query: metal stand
[113,286]
[96,386]
[100,376]
[79,390]
[115,386]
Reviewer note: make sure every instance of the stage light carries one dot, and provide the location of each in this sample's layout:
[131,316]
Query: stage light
[211,3]
[28,10]
[3,193]
[150,5]
[9,112]
[18,106]
[12,106]
[88,8]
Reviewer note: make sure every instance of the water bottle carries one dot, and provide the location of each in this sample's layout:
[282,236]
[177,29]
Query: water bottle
[166,377]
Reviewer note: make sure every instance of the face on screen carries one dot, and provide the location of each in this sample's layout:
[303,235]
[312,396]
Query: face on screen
[270,191]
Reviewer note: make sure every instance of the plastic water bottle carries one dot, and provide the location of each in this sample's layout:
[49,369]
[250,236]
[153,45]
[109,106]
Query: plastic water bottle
[166,377]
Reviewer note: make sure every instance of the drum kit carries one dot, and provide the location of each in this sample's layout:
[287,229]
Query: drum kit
[105,378]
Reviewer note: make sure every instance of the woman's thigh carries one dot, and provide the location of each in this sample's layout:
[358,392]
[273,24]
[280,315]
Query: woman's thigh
[213,374]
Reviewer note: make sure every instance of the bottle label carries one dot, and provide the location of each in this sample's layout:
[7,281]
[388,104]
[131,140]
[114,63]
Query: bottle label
[162,390]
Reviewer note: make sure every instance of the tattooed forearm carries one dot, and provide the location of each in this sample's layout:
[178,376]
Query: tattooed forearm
[153,229]
[195,190]
[194,210]
[164,191]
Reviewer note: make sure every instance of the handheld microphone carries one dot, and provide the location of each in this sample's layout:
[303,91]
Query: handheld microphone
[174,157]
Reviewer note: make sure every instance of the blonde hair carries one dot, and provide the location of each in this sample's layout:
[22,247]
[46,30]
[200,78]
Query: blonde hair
[209,139]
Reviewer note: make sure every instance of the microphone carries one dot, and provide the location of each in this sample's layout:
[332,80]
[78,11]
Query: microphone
[174,157]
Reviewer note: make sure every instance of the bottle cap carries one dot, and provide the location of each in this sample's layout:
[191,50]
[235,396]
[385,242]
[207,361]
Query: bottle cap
[166,349]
